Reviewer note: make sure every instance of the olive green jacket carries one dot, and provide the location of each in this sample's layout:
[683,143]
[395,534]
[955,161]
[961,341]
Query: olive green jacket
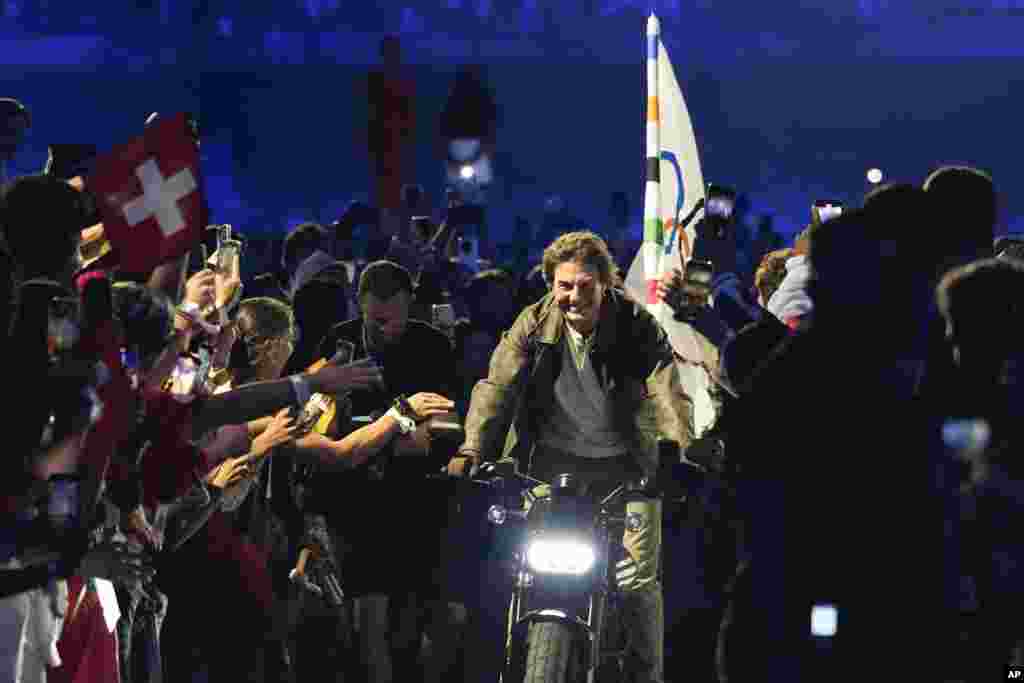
[633,361]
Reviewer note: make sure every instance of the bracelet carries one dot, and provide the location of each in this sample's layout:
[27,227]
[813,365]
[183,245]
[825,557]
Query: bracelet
[188,309]
[403,406]
[405,424]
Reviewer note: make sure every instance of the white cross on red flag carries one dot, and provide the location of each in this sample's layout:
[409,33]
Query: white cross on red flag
[150,195]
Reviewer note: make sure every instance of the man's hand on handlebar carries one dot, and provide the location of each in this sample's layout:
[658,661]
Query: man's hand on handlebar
[463,464]
[426,404]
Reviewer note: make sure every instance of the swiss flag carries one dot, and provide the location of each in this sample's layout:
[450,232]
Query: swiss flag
[149,192]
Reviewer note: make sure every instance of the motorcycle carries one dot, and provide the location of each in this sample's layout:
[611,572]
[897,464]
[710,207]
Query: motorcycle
[562,624]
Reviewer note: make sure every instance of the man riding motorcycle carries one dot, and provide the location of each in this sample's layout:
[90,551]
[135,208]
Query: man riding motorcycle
[585,383]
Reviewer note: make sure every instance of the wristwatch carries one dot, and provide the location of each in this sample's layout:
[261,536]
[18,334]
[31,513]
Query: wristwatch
[403,406]
[406,425]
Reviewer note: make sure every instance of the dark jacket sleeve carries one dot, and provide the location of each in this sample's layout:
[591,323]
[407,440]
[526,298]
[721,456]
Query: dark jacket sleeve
[246,403]
[664,411]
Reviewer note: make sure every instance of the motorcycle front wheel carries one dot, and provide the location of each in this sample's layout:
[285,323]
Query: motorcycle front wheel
[552,654]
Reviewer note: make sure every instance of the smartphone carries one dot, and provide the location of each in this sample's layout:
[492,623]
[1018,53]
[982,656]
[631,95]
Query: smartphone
[63,330]
[824,620]
[227,255]
[826,209]
[223,233]
[423,229]
[63,505]
[443,316]
[720,201]
[697,280]
[343,355]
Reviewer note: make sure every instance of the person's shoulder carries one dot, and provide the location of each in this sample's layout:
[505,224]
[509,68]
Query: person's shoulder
[335,273]
[267,285]
[630,311]
[530,319]
[266,280]
[350,330]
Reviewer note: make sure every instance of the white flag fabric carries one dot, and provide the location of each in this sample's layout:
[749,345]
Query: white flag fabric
[674,185]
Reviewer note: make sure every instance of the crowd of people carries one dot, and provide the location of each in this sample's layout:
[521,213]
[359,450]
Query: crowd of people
[253,480]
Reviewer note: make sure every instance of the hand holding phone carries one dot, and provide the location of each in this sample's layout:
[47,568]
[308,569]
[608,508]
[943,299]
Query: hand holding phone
[720,202]
[825,210]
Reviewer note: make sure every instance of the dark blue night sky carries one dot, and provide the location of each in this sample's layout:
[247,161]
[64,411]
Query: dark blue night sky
[790,102]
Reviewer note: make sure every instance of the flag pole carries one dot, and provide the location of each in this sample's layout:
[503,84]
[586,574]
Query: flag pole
[652,196]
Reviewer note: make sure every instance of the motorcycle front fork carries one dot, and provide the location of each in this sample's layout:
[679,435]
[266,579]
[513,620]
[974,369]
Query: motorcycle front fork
[597,609]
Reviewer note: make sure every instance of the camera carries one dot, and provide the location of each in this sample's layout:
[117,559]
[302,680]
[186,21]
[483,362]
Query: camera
[696,289]
[720,201]
[443,316]
[318,404]
[719,206]
[423,229]
[825,210]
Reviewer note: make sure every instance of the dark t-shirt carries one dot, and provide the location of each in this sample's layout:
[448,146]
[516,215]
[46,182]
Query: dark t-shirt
[376,516]
[422,361]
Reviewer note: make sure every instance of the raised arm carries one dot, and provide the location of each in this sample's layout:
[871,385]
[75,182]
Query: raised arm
[362,444]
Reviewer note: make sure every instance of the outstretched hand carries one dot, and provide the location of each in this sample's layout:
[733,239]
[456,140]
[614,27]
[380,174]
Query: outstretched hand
[461,465]
[280,430]
[229,473]
[338,379]
[426,404]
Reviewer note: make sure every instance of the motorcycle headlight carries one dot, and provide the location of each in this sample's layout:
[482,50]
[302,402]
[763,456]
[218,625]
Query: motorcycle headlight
[560,556]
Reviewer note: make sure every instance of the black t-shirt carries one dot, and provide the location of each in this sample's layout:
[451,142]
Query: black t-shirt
[376,516]
[269,285]
[423,360]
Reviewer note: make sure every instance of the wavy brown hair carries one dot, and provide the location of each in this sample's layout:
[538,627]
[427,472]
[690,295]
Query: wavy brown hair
[585,248]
